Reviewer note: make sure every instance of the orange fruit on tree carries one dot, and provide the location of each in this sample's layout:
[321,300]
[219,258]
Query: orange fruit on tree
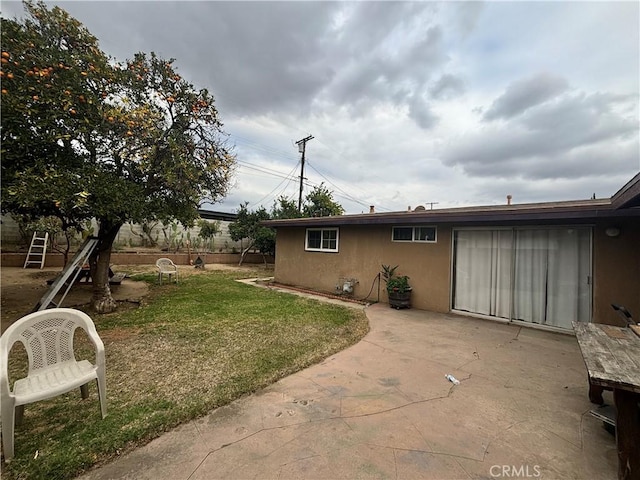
[5,55]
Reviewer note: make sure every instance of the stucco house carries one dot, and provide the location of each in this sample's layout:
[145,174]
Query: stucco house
[542,264]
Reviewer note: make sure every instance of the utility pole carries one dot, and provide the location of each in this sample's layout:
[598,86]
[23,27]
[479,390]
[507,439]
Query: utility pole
[301,148]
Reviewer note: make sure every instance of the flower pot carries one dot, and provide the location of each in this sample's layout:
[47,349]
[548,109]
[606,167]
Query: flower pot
[400,300]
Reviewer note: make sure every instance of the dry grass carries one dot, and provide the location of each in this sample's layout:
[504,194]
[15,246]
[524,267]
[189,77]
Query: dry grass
[190,348]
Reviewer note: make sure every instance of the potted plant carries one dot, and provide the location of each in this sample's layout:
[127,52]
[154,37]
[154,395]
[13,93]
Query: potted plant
[398,289]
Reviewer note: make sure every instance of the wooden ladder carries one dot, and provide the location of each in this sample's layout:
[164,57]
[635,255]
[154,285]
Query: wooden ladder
[68,276]
[37,250]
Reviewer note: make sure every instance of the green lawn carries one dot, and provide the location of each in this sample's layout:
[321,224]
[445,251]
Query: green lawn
[188,349]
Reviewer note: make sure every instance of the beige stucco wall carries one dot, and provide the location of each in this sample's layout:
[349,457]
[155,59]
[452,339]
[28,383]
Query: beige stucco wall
[616,270]
[362,251]
[615,267]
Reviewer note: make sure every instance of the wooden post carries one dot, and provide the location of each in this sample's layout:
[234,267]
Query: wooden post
[627,433]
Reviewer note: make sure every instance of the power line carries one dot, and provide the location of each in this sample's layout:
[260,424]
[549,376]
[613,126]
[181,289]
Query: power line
[351,199]
[342,155]
[345,194]
[265,148]
[289,177]
[268,171]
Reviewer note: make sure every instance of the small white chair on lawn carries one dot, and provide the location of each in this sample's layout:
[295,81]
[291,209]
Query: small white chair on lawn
[47,337]
[166,267]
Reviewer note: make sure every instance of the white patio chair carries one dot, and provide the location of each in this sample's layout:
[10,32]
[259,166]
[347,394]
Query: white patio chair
[47,337]
[166,267]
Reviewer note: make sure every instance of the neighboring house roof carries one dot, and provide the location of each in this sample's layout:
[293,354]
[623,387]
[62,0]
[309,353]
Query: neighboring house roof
[625,203]
[213,215]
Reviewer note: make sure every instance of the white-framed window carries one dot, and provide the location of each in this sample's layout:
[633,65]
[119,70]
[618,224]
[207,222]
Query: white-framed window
[321,240]
[421,233]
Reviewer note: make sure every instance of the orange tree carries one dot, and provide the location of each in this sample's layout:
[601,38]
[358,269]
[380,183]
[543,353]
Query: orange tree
[84,136]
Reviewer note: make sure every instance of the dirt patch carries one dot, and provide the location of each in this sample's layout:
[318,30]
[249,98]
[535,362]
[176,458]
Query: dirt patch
[21,289]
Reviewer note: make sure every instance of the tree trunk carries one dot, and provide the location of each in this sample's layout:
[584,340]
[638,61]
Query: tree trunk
[102,301]
[67,248]
[244,253]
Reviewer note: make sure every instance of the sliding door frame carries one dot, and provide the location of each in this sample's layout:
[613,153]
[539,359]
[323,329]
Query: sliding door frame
[514,230]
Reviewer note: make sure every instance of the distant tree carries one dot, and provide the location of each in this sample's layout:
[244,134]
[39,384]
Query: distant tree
[319,203]
[284,208]
[84,136]
[247,226]
[208,230]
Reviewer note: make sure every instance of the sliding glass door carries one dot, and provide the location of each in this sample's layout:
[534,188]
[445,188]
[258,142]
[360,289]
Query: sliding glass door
[482,272]
[552,276]
[537,275]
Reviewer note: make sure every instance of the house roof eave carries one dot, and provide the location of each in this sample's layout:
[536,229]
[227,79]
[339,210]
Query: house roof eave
[629,195]
[584,213]
[624,203]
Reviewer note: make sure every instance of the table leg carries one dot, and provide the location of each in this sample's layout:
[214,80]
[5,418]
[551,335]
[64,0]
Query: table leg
[627,434]
[595,394]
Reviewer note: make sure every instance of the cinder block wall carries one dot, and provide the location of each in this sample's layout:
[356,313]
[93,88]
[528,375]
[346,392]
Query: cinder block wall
[128,237]
[56,259]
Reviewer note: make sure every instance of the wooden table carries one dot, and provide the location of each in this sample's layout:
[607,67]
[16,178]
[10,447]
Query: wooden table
[612,357]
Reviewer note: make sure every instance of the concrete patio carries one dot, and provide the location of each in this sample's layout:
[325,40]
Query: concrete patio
[383,409]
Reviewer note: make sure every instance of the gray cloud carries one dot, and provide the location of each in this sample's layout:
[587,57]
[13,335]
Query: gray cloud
[447,87]
[420,112]
[466,15]
[524,94]
[286,57]
[557,139]
[367,79]
[255,57]
[392,69]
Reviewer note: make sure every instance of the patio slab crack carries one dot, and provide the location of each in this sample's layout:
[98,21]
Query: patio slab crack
[330,418]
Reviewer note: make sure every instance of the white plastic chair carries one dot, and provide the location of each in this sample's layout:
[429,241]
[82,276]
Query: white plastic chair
[47,337]
[166,267]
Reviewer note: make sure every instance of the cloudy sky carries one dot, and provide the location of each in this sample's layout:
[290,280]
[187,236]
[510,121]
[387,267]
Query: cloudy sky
[409,102]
